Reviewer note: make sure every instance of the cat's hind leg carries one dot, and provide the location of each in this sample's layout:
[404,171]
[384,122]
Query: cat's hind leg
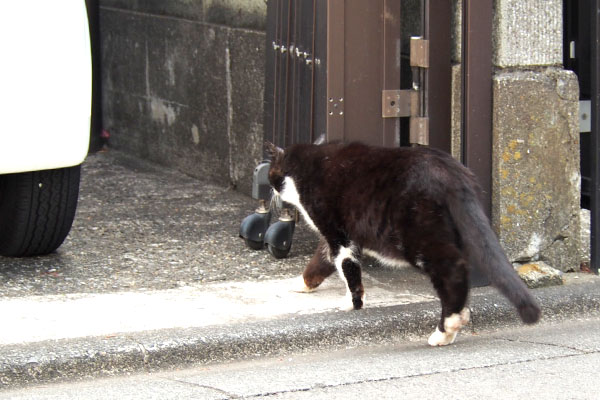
[318,269]
[450,279]
[347,263]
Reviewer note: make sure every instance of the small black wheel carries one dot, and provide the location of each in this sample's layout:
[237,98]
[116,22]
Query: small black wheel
[254,245]
[278,253]
[253,228]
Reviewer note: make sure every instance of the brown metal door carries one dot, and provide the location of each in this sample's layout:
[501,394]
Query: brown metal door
[363,48]
[292,72]
[331,62]
[327,64]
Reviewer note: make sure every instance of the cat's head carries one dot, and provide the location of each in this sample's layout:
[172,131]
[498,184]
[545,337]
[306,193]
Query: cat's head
[276,171]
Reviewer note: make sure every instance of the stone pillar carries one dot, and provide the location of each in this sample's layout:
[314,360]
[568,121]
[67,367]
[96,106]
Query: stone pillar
[535,173]
[536,178]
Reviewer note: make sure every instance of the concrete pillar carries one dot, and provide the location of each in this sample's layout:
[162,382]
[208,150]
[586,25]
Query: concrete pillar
[536,180]
[536,177]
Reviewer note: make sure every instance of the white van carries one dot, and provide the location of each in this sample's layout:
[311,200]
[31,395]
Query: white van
[45,109]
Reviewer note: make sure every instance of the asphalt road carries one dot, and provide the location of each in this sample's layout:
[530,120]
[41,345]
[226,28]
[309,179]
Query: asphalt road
[558,360]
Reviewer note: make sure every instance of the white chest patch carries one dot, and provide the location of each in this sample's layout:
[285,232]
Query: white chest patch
[289,194]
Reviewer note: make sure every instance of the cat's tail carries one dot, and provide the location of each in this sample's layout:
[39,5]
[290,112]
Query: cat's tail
[484,251]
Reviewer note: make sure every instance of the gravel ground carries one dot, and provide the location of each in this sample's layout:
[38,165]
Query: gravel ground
[141,226]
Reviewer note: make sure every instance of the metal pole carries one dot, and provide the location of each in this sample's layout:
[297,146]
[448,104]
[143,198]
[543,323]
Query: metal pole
[595,140]
[438,77]
[477,101]
[477,93]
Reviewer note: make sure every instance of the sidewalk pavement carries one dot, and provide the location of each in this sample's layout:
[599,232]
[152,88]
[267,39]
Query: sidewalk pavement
[154,276]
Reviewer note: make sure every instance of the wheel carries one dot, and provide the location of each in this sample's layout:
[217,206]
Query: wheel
[279,238]
[278,253]
[253,228]
[254,245]
[37,210]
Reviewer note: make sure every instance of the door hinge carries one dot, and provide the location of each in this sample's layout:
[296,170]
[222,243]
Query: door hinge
[419,52]
[409,103]
[399,103]
[419,131]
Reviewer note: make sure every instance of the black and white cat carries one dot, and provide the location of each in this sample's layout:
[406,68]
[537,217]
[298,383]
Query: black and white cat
[415,205]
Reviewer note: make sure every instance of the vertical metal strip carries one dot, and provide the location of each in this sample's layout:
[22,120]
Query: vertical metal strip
[289,92]
[438,80]
[279,113]
[303,44]
[595,140]
[294,72]
[313,72]
[425,11]
[391,65]
[271,72]
[320,62]
[335,67]
[477,102]
[276,70]
[477,93]
[298,98]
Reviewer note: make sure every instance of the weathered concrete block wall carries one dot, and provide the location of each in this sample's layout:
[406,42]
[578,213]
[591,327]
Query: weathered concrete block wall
[527,33]
[536,181]
[183,83]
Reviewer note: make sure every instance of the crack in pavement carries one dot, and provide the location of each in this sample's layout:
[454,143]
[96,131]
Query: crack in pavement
[229,396]
[560,346]
[398,378]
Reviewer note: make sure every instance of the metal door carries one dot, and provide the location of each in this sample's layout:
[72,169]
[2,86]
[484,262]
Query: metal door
[363,60]
[295,71]
[334,68]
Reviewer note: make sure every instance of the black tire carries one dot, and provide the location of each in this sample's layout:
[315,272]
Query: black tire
[37,210]
[254,245]
[278,253]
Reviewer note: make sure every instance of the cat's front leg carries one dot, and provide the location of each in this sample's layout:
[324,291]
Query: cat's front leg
[318,269]
[346,260]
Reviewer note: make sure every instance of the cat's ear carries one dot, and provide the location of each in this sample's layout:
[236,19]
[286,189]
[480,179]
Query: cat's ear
[274,151]
[321,139]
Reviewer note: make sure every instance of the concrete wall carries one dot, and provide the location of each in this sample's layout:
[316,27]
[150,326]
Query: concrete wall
[536,180]
[183,83]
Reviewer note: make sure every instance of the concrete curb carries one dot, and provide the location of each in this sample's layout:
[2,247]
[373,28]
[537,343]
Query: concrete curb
[53,361]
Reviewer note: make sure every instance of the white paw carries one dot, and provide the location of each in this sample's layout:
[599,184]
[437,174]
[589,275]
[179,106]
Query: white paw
[456,321]
[299,286]
[438,338]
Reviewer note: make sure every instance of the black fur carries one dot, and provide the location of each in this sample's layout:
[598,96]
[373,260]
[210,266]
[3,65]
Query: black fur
[416,204]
